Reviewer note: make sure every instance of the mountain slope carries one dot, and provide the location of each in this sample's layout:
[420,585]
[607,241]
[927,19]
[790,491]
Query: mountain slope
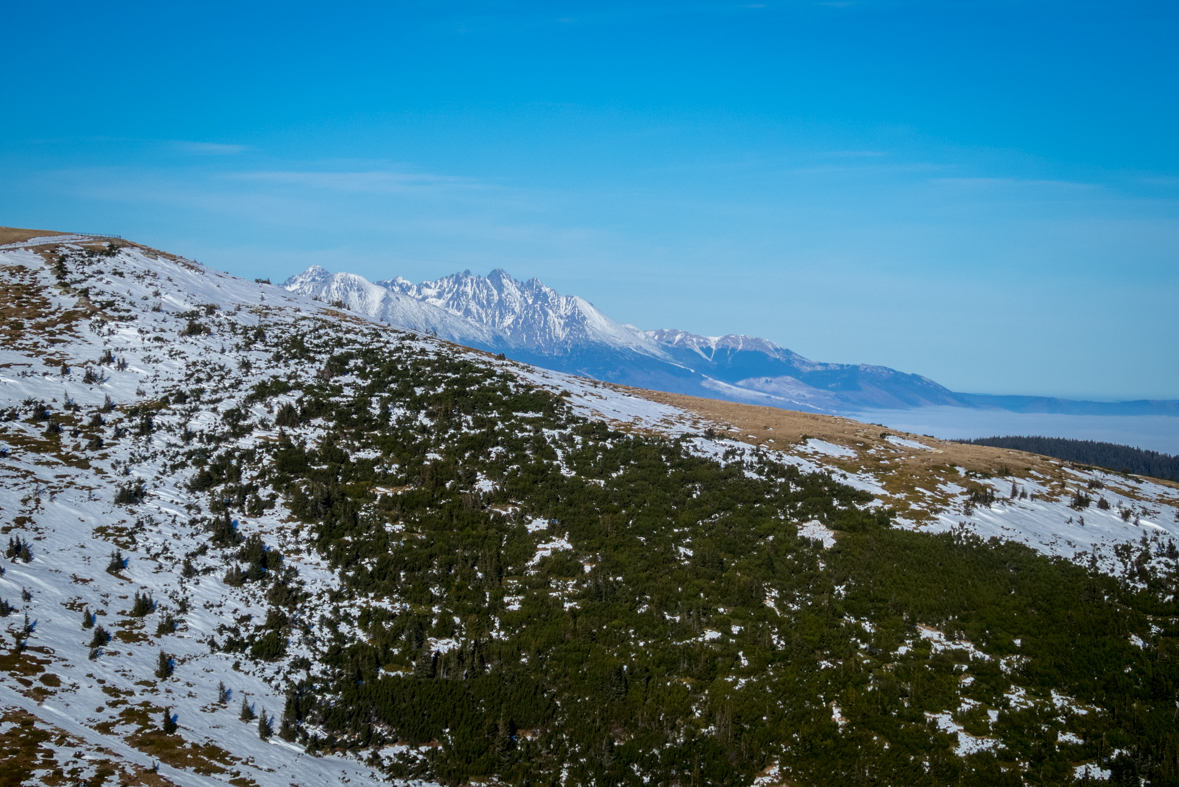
[758,365]
[422,563]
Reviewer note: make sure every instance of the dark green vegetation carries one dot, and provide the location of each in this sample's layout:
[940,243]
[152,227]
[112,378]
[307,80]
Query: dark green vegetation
[1111,456]
[537,594]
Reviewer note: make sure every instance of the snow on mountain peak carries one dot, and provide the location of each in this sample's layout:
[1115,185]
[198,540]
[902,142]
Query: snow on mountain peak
[313,275]
[387,304]
[707,346]
[528,314]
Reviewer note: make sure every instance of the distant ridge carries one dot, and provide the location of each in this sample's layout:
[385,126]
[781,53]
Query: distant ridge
[530,322]
[1057,406]
[1111,456]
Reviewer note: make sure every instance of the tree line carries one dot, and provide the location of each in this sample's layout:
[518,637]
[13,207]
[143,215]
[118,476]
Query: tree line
[1111,456]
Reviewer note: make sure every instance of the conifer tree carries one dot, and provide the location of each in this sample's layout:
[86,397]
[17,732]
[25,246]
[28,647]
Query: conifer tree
[427,664]
[165,666]
[247,713]
[142,605]
[169,724]
[100,638]
[265,727]
[289,725]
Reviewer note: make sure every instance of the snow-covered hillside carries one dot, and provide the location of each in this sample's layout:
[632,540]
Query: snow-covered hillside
[113,349]
[157,564]
[708,346]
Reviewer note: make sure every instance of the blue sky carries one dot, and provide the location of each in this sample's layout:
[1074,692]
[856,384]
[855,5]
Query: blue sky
[986,193]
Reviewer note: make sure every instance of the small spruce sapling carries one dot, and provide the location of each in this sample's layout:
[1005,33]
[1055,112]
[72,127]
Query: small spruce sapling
[247,713]
[165,666]
[169,724]
[222,693]
[167,625]
[100,638]
[87,618]
[234,576]
[265,726]
[18,549]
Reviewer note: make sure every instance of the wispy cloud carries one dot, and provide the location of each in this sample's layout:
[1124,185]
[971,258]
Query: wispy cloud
[855,153]
[1002,183]
[207,148]
[369,181]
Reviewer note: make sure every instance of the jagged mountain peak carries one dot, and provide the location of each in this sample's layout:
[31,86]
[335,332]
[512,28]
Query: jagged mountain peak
[529,314]
[388,305]
[312,275]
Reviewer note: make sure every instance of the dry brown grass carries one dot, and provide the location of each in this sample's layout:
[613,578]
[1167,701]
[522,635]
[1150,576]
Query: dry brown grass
[28,319]
[130,631]
[30,749]
[16,235]
[21,753]
[777,428]
[24,663]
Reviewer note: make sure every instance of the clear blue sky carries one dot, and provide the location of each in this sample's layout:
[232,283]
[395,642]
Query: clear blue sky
[986,193]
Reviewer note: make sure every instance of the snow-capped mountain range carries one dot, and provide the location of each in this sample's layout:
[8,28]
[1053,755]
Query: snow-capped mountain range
[533,323]
[530,322]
